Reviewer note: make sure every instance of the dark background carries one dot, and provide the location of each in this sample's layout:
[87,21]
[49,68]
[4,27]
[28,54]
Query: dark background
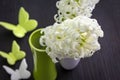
[103,65]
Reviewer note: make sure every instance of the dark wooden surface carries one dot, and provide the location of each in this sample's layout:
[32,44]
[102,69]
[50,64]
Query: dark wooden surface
[103,65]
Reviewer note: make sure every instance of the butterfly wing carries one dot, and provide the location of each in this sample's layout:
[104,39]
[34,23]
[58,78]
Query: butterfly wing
[8,25]
[24,73]
[19,31]
[4,54]
[14,74]
[30,25]
[24,21]
[16,51]
[8,70]
[11,60]
[23,16]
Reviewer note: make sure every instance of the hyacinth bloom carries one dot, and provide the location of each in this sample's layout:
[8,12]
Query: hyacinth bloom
[73,38]
[72,8]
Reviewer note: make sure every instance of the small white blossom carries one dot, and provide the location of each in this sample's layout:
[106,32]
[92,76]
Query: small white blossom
[73,38]
[72,8]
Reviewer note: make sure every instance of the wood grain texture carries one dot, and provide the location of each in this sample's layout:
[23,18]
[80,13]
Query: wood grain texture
[104,65]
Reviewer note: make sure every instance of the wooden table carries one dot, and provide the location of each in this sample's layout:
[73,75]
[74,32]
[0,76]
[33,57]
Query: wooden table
[103,65]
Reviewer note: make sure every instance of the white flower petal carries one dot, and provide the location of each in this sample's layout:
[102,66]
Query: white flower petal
[68,9]
[74,38]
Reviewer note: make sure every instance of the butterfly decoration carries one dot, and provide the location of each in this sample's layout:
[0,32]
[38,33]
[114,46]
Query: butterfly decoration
[24,24]
[14,55]
[21,73]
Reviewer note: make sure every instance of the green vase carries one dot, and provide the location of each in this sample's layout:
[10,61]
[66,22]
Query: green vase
[44,68]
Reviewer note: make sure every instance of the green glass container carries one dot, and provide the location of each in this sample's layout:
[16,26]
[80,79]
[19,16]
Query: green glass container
[44,68]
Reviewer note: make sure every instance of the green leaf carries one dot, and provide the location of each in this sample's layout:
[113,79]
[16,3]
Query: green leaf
[8,26]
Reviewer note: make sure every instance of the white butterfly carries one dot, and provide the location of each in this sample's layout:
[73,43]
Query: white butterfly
[21,73]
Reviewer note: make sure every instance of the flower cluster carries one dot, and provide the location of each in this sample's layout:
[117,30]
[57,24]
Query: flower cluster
[73,38]
[72,8]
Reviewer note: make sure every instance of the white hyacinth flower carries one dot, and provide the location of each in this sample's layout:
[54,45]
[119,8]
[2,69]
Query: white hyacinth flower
[73,38]
[18,74]
[72,8]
